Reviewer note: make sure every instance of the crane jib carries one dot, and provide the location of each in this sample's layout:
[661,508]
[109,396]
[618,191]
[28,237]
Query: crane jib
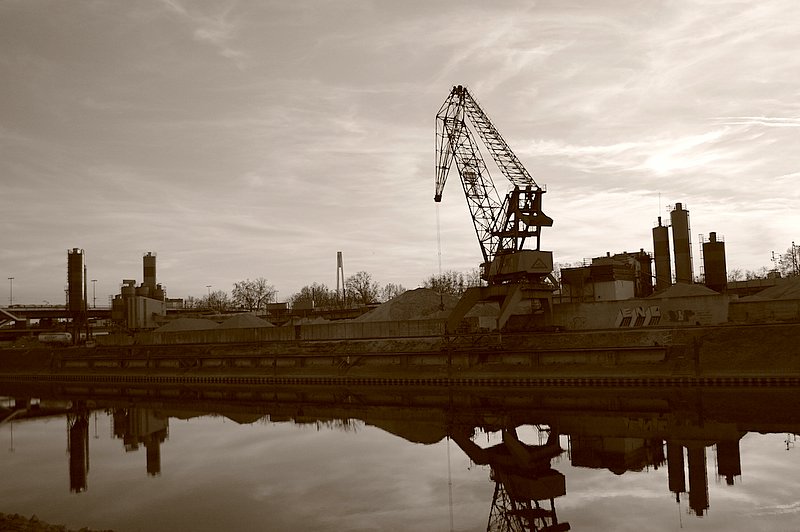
[503,226]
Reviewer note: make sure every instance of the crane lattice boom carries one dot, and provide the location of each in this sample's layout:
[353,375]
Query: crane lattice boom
[503,226]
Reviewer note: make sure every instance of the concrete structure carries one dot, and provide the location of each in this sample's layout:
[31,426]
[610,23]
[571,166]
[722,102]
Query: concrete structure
[610,278]
[714,269]
[663,263]
[682,244]
[140,307]
[76,280]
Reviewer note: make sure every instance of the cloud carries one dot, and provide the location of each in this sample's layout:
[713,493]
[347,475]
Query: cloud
[216,29]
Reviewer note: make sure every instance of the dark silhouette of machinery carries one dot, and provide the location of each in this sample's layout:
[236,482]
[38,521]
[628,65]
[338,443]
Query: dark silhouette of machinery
[526,486]
[503,227]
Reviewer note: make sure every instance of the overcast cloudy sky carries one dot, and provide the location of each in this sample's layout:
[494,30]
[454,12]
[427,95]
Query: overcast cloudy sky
[247,139]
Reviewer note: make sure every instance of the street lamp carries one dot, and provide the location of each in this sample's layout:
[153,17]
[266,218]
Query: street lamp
[94,293]
[10,291]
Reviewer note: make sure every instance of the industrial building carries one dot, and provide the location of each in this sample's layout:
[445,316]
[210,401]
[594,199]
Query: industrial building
[139,307]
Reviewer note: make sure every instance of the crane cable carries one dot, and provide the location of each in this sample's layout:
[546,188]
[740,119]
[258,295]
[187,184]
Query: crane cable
[439,252]
[438,239]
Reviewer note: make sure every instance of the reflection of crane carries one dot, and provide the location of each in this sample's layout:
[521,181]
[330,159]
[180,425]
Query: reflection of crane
[524,482]
[503,226]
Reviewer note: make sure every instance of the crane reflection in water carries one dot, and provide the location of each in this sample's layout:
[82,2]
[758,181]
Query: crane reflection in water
[619,430]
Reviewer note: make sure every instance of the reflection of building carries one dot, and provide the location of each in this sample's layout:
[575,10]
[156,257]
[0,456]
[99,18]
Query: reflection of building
[142,427]
[617,454]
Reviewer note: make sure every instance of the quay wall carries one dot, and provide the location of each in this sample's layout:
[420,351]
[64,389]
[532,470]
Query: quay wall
[344,330]
[766,311]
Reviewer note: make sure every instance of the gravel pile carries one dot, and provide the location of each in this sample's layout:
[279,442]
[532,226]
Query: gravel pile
[422,303]
[188,324]
[788,288]
[684,290]
[244,321]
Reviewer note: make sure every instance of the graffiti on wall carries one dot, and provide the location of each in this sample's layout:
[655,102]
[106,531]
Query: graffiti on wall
[638,316]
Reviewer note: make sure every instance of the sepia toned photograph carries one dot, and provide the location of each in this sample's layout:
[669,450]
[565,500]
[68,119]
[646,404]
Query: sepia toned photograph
[364,265]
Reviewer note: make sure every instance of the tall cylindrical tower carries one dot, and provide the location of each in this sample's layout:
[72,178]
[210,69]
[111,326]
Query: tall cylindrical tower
[75,280]
[149,263]
[716,272]
[682,245]
[662,260]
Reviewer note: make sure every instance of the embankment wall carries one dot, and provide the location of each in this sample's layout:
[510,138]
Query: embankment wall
[345,330]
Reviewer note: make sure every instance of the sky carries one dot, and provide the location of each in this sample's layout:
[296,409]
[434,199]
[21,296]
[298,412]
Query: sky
[247,139]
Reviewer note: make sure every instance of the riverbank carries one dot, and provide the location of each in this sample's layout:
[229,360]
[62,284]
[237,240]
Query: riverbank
[696,354]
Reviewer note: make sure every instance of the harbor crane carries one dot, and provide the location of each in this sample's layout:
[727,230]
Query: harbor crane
[503,227]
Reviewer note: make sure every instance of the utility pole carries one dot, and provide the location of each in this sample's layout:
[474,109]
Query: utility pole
[10,291]
[94,293]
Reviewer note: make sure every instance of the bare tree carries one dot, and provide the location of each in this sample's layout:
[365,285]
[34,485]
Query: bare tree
[453,282]
[361,289]
[735,274]
[391,291]
[789,262]
[317,295]
[217,301]
[193,302]
[253,295]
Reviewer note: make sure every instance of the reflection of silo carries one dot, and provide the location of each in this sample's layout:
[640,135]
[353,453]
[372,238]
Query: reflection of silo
[662,260]
[698,479]
[153,448]
[75,280]
[716,272]
[676,468]
[149,279]
[729,462]
[78,446]
[682,245]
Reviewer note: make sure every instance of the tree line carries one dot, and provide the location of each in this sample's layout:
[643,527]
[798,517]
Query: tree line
[360,289]
[786,264]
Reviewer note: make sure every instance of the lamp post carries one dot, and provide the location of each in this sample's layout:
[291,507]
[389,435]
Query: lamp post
[10,291]
[94,293]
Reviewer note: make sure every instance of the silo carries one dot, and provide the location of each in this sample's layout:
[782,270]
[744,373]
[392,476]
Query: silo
[75,280]
[662,261]
[682,245]
[716,272]
[149,263]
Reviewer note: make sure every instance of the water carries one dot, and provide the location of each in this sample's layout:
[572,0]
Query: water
[318,458]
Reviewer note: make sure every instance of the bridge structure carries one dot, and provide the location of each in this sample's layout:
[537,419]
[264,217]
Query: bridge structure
[21,315]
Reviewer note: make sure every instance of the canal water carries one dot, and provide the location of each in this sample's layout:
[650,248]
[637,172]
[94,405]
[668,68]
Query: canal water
[394,459]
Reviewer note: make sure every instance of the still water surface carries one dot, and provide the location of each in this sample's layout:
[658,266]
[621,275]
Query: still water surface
[587,460]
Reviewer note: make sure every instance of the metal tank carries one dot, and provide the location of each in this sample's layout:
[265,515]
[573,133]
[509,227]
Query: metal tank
[716,272]
[682,245]
[663,263]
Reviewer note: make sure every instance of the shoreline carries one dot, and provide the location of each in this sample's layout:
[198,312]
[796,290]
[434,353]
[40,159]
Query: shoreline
[705,354]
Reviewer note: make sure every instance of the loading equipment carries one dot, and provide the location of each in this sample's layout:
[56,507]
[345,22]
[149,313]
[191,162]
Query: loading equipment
[513,273]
